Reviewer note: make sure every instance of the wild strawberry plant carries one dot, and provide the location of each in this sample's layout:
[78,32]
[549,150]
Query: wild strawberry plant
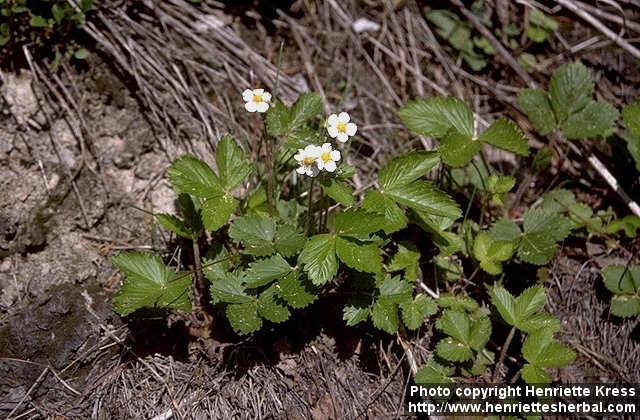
[270,236]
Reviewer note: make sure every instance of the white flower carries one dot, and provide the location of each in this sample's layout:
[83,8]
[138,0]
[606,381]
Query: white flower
[307,159]
[328,158]
[340,128]
[256,100]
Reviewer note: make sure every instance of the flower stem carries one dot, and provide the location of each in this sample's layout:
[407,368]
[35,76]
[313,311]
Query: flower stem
[200,292]
[309,205]
[503,354]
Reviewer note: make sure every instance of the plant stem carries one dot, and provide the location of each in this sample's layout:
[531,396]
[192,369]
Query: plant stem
[200,291]
[503,354]
[309,204]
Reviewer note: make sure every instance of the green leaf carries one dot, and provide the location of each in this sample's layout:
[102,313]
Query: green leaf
[319,258]
[339,191]
[256,233]
[38,22]
[535,103]
[458,303]
[570,90]
[272,307]
[360,256]
[385,316]
[415,311]
[499,186]
[541,350]
[289,241]
[455,324]
[539,321]
[217,211]
[190,175]
[625,306]
[631,117]
[435,116]
[394,217]
[423,196]
[58,12]
[277,119]
[541,232]
[629,224]
[505,304]
[357,223]
[453,350]
[622,279]
[357,310]
[81,54]
[233,166]
[491,253]
[534,375]
[593,120]
[479,333]
[296,292]
[307,106]
[149,284]
[192,217]
[530,301]
[262,272]
[175,225]
[394,290]
[506,135]
[458,149]
[434,373]
[244,317]
[407,168]
[406,259]
[540,26]
[505,230]
[228,289]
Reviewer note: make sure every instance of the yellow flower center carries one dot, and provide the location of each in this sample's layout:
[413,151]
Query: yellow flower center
[326,156]
[342,127]
[308,161]
[257,98]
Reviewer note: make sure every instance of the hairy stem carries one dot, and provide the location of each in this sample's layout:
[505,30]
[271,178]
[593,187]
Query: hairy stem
[200,291]
[503,354]
[309,205]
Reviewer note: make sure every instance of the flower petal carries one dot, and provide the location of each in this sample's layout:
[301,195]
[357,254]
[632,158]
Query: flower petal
[321,164]
[258,92]
[330,166]
[298,156]
[351,129]
[250,106]
[332,120]
[335,155]
[266,97]
[343,117]
[247,95]
[313,171]
[332,131]
[262,106]
[326,147]
[301,170]
[342,137]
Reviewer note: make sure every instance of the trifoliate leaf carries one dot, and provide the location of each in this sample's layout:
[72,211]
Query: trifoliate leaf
[407,259]
[540,26]
[233,166]
[272,307]
[407,168]
[505,304]
[505,230]
[523,312]
[360,256]
[149,284]
[539,321]
[289,241]
[453,350]
[339,191]
[357,223]
[394,217]
[228,289]
[541,232]
[244,317]
[629,224]
[457,149]
[435,116]
[595,119]
[506,135]
[491,253]
[448,268]
[537,106]
[423,196]
[394,290]
[262,272]
[570,90]
[434,373]
[216,211]
[625,306]
[385,316]
[319,258]
[415,311]
[631,117]
[499,186]
[534,375]
[298,293]
[530,301]
[190,175]
[622,279]
[455,324]
[255,233]
[175,225]
[357,310]
[457,303]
